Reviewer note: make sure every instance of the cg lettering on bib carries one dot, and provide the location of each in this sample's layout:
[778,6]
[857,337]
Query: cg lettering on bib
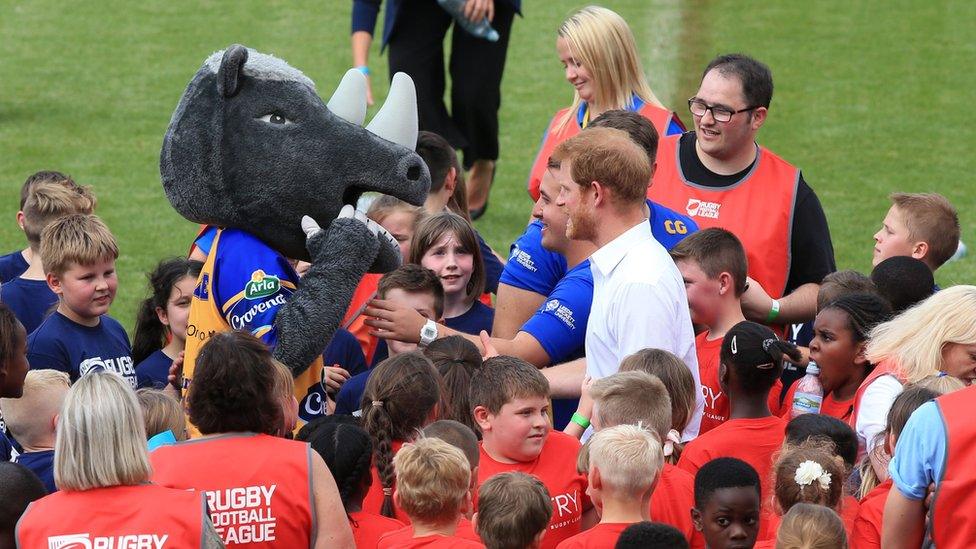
[243,515]
[676,226]
[85,541]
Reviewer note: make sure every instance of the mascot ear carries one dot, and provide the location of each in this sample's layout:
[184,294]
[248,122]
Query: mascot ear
[229,74]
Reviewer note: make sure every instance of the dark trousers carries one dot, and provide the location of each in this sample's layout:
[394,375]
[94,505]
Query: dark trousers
[476,67]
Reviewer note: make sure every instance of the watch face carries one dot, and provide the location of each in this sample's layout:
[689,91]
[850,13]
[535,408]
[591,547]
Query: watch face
[429,331]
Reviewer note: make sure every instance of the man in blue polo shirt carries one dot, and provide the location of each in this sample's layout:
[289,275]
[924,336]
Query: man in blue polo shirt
[532,270]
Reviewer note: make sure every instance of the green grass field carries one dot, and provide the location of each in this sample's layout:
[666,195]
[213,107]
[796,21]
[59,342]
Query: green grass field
[869,99]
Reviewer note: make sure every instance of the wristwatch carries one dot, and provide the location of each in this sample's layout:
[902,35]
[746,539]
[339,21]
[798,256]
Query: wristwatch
[428,333]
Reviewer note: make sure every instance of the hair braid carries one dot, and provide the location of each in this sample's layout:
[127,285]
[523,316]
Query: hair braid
[357,459]
[379,426]
[864,312]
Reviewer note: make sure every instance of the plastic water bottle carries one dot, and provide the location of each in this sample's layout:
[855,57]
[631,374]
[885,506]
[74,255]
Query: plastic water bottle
[809,393]
[481,29]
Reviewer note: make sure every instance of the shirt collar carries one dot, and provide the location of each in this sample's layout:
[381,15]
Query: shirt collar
[606,259]
[636,103]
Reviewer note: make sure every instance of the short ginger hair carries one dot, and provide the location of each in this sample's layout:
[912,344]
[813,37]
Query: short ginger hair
[609,157]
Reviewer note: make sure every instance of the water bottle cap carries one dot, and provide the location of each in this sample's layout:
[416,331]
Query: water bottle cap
[812,368]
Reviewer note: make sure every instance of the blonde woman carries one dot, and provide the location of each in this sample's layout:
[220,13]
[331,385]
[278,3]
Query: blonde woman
[937,335]
[597,49]
[101,463]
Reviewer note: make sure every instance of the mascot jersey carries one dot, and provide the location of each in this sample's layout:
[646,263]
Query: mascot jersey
[242,286]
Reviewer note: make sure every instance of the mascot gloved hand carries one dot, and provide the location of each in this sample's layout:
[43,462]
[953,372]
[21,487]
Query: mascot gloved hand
[254,151]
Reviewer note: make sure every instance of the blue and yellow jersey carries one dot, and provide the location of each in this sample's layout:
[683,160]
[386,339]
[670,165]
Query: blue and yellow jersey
[242,286]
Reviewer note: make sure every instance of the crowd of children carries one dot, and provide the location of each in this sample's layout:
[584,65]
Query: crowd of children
[439,440]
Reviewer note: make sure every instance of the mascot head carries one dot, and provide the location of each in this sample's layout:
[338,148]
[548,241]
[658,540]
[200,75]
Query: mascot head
[252,146]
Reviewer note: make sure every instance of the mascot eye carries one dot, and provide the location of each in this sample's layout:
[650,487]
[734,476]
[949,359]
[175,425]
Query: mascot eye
[275,118]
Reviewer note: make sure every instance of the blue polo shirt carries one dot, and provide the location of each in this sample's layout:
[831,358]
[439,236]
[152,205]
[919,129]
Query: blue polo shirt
[536,269]
[560,323]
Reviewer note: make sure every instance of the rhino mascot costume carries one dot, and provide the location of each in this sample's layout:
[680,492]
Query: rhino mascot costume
[254,152]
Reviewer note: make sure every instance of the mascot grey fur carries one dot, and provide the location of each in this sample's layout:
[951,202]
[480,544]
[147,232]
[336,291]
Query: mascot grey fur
[253,150]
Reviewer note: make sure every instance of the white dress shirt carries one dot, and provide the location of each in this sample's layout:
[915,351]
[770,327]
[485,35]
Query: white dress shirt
[639,302]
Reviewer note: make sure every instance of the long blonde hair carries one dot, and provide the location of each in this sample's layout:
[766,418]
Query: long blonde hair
[101,438]
[913,341]
[602,42]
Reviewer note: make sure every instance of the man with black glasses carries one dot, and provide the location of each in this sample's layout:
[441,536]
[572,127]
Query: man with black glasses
[721,177]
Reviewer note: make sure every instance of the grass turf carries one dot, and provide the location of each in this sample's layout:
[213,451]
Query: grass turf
[867,101]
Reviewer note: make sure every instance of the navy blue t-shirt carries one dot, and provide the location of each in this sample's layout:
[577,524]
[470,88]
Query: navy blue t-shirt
[6,443]
[536,269]
[345,351]
[12,265]
[42,464]
[30,300]
[60,344]
[351,394]
[153,371]
[478,317]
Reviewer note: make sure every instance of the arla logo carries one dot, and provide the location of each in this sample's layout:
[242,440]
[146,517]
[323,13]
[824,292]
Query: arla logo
[86,541]
[261,285]
[701,208]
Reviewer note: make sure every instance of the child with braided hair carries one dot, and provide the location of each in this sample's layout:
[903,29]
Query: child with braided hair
[840,334]
[810,472]
[348,452]
[751,360]
[400,398]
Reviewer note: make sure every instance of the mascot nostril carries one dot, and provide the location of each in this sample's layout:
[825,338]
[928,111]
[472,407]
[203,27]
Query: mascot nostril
[413,173]
[225,164]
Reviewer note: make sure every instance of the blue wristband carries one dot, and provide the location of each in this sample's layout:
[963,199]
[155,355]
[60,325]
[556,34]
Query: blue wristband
[363,69]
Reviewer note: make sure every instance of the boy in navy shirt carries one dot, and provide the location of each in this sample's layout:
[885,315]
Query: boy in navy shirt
[31,420]
[28,295]
[14,264]
[79,252]
[411,286]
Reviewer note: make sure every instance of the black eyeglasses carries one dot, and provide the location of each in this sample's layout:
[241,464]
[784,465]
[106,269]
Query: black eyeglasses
[719,113]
